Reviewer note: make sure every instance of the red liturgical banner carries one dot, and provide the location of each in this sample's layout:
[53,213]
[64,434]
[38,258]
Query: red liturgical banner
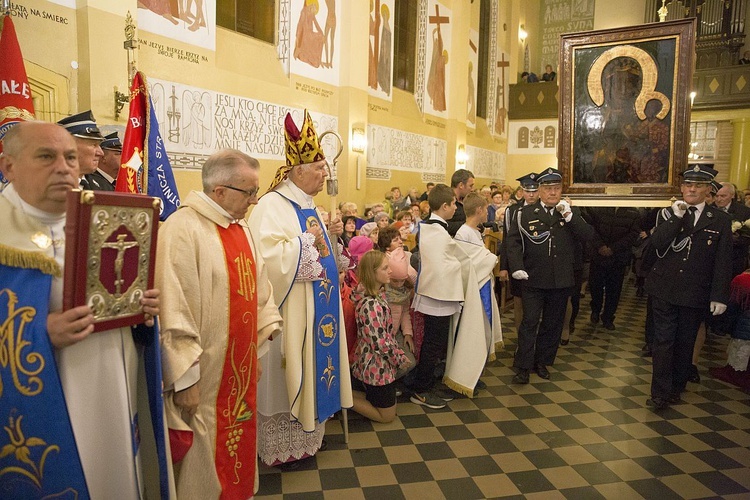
[110,250]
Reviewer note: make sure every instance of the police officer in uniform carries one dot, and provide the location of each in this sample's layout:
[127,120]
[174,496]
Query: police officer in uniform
[82,127]
[105,175]
[689,281]
[530,188]
[541,246]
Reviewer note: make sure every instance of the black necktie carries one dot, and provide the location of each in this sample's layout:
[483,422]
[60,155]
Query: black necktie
[690,218]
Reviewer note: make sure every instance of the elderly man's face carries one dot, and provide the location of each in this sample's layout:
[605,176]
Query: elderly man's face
[694,193]
[45,167]
[89,154]
[242,193]
[550,194]
[723,197]
[310,178]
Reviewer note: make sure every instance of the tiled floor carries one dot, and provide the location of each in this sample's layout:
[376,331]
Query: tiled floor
[585,433]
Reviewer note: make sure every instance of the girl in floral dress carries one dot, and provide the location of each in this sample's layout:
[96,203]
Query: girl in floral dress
[378,355]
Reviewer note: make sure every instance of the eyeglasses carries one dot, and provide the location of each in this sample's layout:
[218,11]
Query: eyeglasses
[249,194]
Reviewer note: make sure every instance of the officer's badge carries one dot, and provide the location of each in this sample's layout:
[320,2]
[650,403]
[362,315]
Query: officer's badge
[531,228]
[709,214]
[534,233]
[709,242]
[696,168]
[536,210]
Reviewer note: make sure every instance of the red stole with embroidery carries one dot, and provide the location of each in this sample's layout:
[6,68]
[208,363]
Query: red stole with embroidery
[235,403]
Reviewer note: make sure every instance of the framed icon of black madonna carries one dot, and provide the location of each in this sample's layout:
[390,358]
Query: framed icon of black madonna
[625,110]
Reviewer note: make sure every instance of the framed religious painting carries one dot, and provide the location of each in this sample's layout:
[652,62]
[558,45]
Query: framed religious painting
[625,110]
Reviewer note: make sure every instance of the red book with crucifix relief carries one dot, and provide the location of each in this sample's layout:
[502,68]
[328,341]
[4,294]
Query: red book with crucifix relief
[110,251]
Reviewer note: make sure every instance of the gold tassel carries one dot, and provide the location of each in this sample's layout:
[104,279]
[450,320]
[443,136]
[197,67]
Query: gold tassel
[23,259]
[469,393]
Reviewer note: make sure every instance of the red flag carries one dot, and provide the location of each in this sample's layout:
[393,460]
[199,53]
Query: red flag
[145,166]
[15,94]
[130,178]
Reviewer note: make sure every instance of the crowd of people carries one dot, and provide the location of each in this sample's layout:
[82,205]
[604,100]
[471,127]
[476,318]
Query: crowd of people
[271,324]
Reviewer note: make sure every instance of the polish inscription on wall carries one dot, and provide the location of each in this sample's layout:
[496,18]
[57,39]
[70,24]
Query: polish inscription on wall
[486,163]
[393,149]
[562,16]
[197,121]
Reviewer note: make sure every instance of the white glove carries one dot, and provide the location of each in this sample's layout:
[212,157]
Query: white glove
[718,308]
[521,275]
[679,208]
[564,208]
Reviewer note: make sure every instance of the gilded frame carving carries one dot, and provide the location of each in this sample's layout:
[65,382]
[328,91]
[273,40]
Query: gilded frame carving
[625,110]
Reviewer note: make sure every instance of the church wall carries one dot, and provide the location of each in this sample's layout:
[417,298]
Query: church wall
[606,17]
[243,66]
[92,35]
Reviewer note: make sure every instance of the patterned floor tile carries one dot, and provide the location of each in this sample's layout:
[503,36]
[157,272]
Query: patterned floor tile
[585,433]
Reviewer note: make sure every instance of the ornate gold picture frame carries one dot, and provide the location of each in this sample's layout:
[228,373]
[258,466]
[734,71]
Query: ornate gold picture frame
[625,110]
[110,252]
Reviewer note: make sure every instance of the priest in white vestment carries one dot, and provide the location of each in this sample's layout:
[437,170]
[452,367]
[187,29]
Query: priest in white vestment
[218,313]
[307,375]
[97,372]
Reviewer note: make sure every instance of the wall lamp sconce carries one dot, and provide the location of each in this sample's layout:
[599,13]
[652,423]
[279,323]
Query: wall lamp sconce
[120,100]
[461,156]
[693,94]
[359,140]
[522,34]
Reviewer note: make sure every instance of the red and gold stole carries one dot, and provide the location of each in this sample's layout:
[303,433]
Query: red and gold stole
[235,403]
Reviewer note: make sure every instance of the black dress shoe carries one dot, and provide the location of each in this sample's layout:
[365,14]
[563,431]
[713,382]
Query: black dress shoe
[565,341]
[542,371]
[658,403]
[693,375]
[674,399]
[522,377]
[594,318]
[609,325]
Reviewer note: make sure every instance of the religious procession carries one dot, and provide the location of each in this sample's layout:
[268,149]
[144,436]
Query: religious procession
[193,304]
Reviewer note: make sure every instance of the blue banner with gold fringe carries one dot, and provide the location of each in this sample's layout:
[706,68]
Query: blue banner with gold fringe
[38,454]
[327,324]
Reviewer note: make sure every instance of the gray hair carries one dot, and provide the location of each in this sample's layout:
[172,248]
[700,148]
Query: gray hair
[348,206]
[222,167]
[730,187]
